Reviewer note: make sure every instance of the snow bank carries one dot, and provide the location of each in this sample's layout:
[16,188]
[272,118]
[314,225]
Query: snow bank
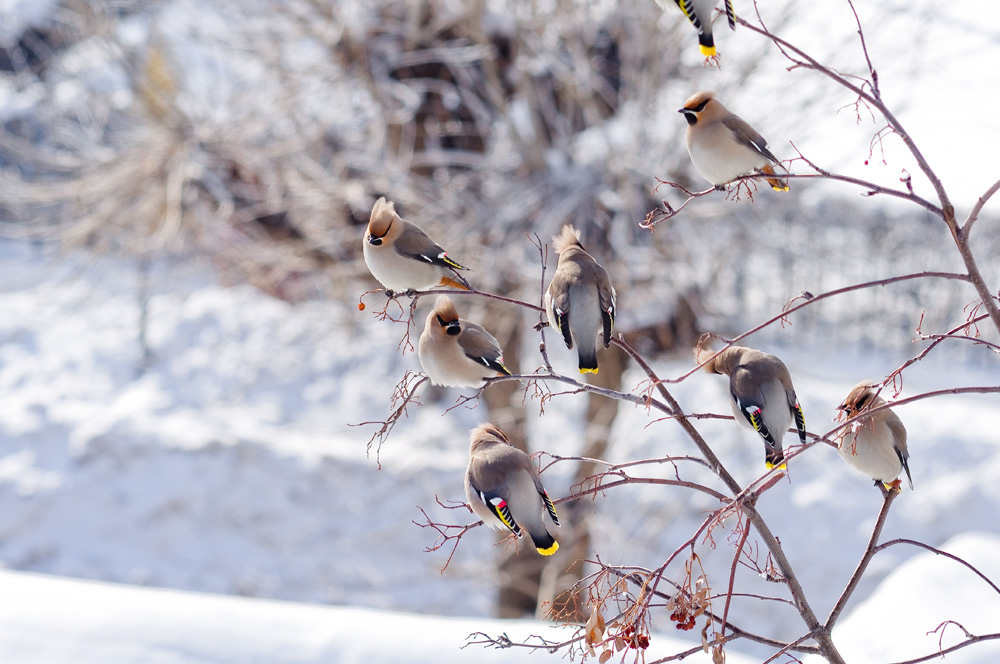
[48,620]
[900,620]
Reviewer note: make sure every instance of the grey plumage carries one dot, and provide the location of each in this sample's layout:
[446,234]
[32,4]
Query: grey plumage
[875,444]
[580,300]
[504,491]
[455,352]
[760,394]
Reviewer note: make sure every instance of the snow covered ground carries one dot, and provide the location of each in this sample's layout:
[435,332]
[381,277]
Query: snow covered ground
[228,466]
[46,619]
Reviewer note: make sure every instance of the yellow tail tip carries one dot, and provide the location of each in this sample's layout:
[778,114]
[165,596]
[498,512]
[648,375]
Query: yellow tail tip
[779,187]
[586,371]
[781,466]
[707,51]
[549,551]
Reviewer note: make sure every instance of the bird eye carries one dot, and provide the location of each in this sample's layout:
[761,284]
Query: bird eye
[374,240]
[442,322]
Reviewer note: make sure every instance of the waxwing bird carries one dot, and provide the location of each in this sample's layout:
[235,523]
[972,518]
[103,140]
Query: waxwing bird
[402,256]
[760,394]
[699,12]
[504,491]
[723,146]
[455,352]
[580,300]
[874,444]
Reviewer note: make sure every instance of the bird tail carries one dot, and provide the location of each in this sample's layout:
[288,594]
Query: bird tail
[706,45]
[776,183]
[544,543]
[774,458]
[588,359]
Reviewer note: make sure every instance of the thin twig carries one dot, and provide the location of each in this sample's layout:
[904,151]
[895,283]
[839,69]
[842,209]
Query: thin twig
[870,551]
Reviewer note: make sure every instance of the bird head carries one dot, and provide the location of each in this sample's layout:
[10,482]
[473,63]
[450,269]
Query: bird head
[699,106]
[446,316]
[486,434]
[861,396]
[381,221]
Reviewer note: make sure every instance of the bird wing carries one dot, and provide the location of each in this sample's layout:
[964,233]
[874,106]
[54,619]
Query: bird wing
[753,410]
[606,293]
[549,506]
[800,419]
[687,6]
[498,506]
[748,136]
[730,14]
[551,509]
[559,296]
[414,243]
[481,347]
[486,478]
[899,442]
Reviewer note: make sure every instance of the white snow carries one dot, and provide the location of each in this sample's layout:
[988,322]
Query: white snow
[44,620]
[901,619]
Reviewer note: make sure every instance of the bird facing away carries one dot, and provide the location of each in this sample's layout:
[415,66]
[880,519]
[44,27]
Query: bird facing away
[455,352]
[504,491]
[402,256]
[760,394]
[723,146]
[874,444]
[580,300]
[699,12]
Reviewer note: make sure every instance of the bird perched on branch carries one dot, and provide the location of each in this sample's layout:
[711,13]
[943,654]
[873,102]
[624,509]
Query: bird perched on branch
[723,146]
[875,444]
[455,352]
[760,394]
[402,256]
[699,12]
[504,491]
[580,300]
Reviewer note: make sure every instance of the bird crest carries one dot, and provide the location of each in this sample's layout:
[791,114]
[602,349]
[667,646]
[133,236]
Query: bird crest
[493,430]
[383,214]
[445,309]
[569,237]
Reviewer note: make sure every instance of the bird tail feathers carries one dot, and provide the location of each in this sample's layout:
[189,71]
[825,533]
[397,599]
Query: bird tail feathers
[588,360]
[544,543]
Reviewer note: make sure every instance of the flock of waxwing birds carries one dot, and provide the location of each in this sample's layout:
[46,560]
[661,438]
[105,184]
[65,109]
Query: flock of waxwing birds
[501,483]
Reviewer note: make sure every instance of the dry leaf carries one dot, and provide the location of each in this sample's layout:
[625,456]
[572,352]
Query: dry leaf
[718,655]
[605,656]
[595,628]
